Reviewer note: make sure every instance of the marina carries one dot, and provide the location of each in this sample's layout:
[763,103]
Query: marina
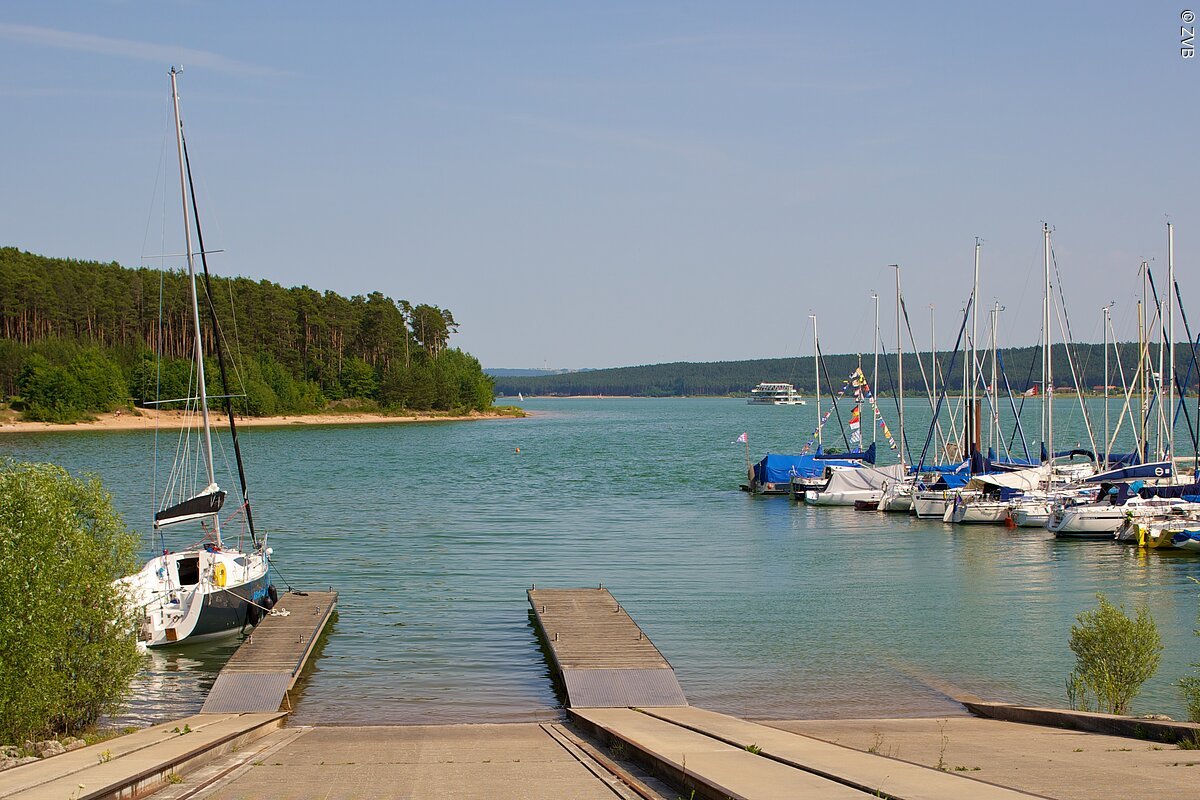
[730,586]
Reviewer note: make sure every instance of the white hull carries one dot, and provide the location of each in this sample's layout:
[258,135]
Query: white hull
[979,512]
[1096,520]
[180,596]
[1192,545]
[897,503]
[1030,517]
[933,505]
[842,498]
[775,394]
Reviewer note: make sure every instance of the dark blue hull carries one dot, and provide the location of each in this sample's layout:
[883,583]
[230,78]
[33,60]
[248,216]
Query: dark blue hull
[229,611]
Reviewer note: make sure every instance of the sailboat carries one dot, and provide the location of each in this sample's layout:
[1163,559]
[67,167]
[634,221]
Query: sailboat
[209,589]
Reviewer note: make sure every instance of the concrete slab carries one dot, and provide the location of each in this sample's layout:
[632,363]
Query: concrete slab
[1170,731]
[1068,765]
[416,763]
[870,772]
[723,769]
[135,762]
[39,772]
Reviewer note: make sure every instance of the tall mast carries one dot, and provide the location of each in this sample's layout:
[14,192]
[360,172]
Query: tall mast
[1107,446]
[875,371]
[900,364]
[187,233]
[1047,361]
[1157,384]
[1143,448]
[817,370]
[974,370]
[994,434]
[1170,409]
[933,360]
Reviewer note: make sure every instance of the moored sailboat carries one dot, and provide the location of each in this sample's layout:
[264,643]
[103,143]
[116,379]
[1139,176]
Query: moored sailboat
[210,589]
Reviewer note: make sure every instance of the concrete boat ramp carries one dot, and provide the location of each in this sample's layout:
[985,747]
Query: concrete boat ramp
[628,732]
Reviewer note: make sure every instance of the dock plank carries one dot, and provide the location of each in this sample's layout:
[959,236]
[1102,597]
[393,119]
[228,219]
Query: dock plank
[604,659]
[269,661]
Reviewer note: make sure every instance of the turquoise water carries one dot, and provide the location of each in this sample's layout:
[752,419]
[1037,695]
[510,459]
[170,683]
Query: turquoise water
[432,533]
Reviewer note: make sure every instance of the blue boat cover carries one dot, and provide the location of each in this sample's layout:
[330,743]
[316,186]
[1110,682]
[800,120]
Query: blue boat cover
[949,480]
[1118,494]
[867,455]
[1169,491]
[776,468]
[961,466]
[1155,469]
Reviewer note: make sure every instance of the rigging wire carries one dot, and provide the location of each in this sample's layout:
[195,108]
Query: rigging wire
[237,452]
[896,396]
[833,397]
[920,366]
[945,386]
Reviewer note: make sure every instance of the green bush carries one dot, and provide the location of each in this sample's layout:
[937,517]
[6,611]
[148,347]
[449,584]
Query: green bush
[1114,656]
[1191,695]
[67,647]
[1191,688]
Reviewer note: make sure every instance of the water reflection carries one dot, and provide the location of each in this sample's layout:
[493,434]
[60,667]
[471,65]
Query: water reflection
[174,681]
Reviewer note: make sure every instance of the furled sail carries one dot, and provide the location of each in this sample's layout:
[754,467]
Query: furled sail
[205,504]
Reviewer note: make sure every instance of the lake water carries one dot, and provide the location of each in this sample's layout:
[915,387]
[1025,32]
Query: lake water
[433,532]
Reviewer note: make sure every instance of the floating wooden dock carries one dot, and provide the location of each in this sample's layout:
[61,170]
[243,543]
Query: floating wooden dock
[601,655]
[260,673]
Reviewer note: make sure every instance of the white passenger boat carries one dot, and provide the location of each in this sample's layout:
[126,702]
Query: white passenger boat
[775,394]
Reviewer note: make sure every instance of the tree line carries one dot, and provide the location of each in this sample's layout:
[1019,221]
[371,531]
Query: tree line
[1021,368]
[84,336]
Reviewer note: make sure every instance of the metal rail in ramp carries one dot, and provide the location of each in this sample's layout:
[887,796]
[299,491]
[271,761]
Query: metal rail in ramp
[259,674]
[601,655]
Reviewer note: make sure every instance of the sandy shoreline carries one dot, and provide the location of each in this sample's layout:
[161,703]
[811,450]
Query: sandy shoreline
[148,420]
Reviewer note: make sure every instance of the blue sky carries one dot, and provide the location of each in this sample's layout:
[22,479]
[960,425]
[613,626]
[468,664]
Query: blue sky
[602,184]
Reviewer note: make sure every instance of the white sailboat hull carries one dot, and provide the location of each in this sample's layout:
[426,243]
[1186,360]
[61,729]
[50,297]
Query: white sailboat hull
[897,503]
[842,498]
[182,597]
[1102,520]
[979,512]
[1031,516]
[933,504]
